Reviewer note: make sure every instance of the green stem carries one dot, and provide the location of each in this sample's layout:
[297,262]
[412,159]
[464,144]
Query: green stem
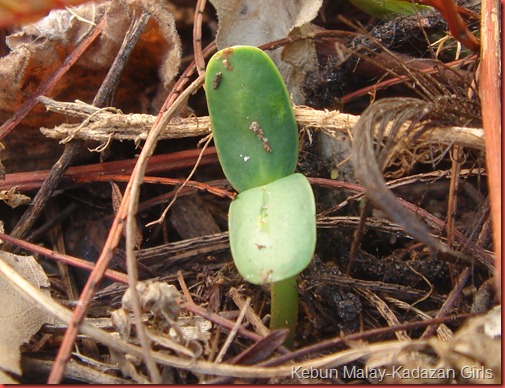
[284,307]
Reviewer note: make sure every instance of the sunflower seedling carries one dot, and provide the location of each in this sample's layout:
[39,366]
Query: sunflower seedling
[272,220]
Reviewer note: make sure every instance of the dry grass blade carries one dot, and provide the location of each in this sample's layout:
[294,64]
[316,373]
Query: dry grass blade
[372,152]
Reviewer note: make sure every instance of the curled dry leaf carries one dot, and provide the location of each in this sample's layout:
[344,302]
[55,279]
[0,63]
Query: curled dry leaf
[158,299]
[161,302]
[13,198]
[19,319]
[39,49]
[246,22]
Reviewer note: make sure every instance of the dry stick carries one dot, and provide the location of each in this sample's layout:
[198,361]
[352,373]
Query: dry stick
[491,102]
[105,125]
[60,257]
[49,84]
[452,202]
[129,42]
[46,189]
[52,221]
[131,38]
[444,333]
[365,212]
[197,37]
[385,312]
[233,332]
[184,287]
[257,323]
[449,303]
[133,196]
[30,216]
[100,171]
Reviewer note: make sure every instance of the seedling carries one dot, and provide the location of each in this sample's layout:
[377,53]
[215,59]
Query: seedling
[272,220]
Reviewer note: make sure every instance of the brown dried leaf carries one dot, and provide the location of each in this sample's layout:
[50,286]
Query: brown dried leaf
[39,49]
[261,21]
[13,198]
[19,319]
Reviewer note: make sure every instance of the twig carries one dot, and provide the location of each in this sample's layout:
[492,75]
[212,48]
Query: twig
[452,204]
[233,332]
[60,257]
[451,299]
[133,197]
[46,189]
[116,171]
[253,318]
[107,87]
[135,127]
[184,288]
[490,83]
[444,333]
[197,37]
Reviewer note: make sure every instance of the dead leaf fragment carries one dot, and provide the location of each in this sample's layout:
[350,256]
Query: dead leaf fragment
[246,22]
[38,50]
[19,319]
[13,198]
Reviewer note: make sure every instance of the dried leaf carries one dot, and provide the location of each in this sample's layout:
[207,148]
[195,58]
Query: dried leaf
[13,198]
[19,319]
[159,299]
[261,21]
[39,49]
